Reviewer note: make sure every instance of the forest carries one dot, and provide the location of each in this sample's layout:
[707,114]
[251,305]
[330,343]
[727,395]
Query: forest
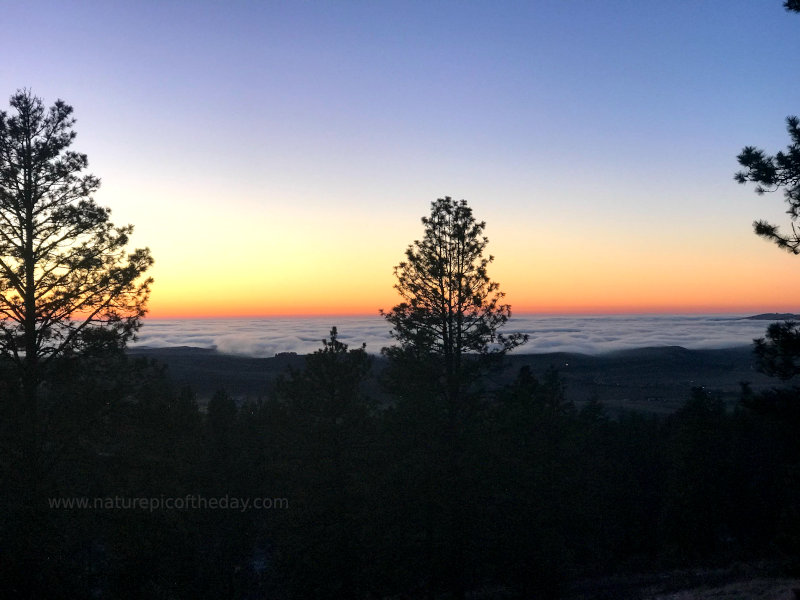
[527,498]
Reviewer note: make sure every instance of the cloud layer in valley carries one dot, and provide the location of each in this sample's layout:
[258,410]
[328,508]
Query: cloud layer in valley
[587,334]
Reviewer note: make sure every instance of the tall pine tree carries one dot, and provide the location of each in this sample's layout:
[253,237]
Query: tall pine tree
[67,279]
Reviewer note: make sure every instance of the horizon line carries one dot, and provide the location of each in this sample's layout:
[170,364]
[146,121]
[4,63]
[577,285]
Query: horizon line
[521,313]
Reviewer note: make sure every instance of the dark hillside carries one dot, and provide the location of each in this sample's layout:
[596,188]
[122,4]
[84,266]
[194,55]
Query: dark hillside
[652,379]
[208,371]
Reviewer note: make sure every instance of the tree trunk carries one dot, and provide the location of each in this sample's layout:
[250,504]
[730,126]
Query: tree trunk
[30,366]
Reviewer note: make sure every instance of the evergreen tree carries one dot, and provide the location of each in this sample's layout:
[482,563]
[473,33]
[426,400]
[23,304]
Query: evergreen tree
[772,173]
[64,268]
[448,328]
[778,354]
[450,307]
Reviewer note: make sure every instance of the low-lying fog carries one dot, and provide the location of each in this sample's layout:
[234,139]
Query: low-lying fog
[587,334]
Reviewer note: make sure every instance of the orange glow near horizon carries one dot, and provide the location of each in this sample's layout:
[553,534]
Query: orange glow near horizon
[671,296]
[540,272]
[516,311]
[588,311]
[630,289]
[678,295]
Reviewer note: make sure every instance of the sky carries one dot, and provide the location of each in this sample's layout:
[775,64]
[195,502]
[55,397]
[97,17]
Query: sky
[277,157]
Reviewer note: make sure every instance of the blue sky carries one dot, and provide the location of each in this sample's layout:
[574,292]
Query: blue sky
[289,149]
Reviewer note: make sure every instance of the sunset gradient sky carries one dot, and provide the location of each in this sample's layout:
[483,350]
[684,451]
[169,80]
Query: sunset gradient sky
[277,156]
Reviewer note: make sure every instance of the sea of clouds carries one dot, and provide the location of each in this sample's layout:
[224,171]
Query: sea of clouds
[587,334]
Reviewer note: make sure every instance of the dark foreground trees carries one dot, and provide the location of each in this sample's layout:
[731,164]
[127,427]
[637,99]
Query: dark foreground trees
[551,493]
[447,326]
[67,280]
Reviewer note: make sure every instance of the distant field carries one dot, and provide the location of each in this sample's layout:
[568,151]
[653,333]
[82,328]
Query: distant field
[651,379]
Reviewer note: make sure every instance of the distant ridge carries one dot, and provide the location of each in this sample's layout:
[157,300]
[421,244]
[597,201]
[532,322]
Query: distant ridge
[774,317]
[649,352]
[655,379]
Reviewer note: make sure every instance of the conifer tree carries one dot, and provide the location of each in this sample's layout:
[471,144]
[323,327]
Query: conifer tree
[772,173]
[67,280]
[779,353]
[450,307]
[448,328]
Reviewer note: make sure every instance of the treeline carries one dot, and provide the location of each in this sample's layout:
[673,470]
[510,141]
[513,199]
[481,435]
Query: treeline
[518,495]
